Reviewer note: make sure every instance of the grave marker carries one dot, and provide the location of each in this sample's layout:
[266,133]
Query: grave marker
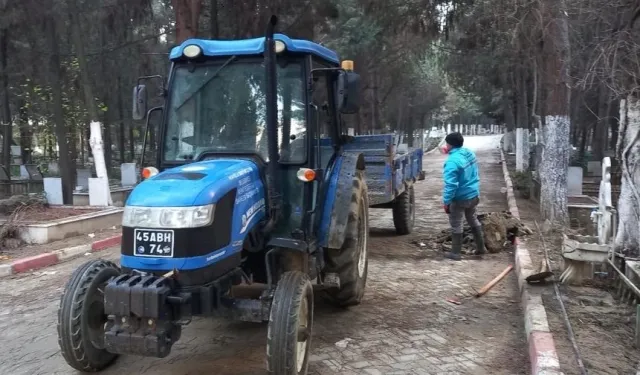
[53,190]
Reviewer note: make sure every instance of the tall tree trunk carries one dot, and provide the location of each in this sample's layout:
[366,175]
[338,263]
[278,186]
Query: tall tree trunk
[5,116]
[25,133]
[601,132]
[67,166]
[122,130]
[107,116]
[522,126]
[627,239]
[509,118]
[557,150]
[614,122]
[95,131]
[214,30]
[187,15]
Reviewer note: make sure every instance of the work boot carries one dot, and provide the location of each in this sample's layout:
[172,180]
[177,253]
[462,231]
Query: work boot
[478,237]
[456,246]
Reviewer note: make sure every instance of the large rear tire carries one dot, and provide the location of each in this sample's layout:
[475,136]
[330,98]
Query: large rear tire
[351,262]
[81,317]
[290,325]
[404,212]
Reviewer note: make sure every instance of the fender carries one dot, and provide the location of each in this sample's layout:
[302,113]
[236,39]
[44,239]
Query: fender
[337,199]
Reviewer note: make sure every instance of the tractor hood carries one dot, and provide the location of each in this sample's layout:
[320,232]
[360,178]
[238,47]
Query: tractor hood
[193,184]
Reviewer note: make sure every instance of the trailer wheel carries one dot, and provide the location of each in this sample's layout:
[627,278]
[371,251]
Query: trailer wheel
[81,317]
[351,261]
[290,325]
[404,211]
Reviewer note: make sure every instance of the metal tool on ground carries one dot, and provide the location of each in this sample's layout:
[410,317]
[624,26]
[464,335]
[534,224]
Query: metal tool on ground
[543,273]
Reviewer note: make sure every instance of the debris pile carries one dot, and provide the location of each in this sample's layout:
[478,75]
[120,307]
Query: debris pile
[500,230]
[14,209]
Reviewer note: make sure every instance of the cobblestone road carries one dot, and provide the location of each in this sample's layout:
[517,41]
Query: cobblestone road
[404,325]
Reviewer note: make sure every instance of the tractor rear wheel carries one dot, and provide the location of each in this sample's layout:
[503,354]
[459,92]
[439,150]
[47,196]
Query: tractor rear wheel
[404,211]
[351,261]
[290,325]
[81,317]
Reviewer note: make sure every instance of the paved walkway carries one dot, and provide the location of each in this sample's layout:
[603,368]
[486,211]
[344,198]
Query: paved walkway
[404,325]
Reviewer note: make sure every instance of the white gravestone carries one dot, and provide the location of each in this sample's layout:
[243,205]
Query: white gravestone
[448,128]
[53,190]
[53,167]
[82,178]
[594,168]
[574,181]
[605,204]
[24,173]
[129,174]
[98,192]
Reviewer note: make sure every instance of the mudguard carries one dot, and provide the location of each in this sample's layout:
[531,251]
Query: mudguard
[337,199]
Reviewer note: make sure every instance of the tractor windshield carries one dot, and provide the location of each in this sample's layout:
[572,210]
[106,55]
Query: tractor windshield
[222,108]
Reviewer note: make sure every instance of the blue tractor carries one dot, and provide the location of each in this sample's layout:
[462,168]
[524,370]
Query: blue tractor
[253,203]
[257,199]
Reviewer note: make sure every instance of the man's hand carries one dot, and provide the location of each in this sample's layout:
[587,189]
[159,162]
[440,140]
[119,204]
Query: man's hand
[446,209]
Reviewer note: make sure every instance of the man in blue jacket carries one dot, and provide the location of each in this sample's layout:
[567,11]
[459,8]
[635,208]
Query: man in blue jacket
[461,194]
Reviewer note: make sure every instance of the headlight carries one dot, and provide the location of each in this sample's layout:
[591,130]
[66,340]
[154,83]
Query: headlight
[167,217]
[280,46]
[191,51]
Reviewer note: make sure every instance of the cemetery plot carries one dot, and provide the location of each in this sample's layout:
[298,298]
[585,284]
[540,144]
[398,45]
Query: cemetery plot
[13,249]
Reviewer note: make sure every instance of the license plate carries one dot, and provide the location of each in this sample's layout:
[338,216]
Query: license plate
[153,243]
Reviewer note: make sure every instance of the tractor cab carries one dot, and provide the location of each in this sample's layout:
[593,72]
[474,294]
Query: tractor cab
[217,106]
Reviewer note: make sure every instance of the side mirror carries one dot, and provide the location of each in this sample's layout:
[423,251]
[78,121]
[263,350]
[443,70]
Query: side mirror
[139,102]
[347,96]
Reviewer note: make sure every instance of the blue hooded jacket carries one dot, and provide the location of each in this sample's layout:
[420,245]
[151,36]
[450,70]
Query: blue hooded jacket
[461,180]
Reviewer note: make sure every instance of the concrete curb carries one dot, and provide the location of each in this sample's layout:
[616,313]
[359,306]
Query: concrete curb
[48,259]
[542,349]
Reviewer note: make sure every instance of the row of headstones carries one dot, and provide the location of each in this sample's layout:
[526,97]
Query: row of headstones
[475,129]
[97,187]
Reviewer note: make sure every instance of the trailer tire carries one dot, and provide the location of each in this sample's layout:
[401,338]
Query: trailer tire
[351,261]
[290,321]
[404,211]
[81,317]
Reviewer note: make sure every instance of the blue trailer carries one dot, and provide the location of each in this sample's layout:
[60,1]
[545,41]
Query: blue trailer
[256,200]
[392,169]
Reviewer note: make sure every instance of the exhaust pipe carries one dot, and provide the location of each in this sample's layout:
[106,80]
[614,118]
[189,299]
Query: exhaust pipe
[273,185]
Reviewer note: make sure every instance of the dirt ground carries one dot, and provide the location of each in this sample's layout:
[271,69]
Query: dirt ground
[603,327]
[7,255]
[41,214]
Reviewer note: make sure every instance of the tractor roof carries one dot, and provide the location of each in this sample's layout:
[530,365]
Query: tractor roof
[254,46]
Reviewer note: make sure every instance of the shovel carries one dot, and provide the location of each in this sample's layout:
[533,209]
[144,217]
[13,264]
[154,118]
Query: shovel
[542,274]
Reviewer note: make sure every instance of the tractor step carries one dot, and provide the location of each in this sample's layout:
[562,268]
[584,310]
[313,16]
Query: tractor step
[331,280]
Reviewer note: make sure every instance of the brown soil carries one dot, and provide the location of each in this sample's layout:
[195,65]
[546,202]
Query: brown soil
[42,214]
[499,229]
[8,255]
[603,327]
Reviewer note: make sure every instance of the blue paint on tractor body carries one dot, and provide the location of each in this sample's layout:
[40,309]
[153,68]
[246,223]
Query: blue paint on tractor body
[171,189]
[254,46]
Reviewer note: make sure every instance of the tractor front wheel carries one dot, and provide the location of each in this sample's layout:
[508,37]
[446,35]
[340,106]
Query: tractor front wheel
[290,324]
[81,317]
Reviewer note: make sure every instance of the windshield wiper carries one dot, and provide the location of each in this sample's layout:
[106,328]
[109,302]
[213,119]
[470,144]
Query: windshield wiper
[206,82]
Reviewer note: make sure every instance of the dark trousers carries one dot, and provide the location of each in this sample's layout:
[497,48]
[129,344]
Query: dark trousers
[463,209]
